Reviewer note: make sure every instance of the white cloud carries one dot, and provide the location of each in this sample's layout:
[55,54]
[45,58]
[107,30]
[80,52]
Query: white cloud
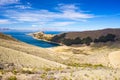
[34,25]
[7,2]
[4,21]
[67,7]
[69,13]
[66,15]
[61,23]
[22,7]
[73,12]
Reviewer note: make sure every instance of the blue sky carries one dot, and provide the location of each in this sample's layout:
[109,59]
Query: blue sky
[59,15]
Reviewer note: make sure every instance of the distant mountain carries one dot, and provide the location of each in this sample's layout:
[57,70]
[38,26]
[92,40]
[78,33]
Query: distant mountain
[104,35]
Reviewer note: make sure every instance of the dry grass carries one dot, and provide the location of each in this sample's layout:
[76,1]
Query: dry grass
[86,54]
[79,63]
[27,56]
[29,49]
[21,59]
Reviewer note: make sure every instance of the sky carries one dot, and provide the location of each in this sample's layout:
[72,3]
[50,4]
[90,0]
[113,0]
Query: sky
[59,15]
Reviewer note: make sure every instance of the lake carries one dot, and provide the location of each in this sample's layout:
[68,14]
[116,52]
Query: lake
[21,36]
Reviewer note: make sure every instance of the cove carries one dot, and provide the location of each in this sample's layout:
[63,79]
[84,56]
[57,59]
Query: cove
[21,36]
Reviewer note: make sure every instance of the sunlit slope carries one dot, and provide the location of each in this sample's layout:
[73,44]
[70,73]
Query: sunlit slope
[25,55]
[94,55]
[6,37]
[22,59]
[29,49]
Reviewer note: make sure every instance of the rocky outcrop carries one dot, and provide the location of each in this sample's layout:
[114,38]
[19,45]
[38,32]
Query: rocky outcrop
[42,35]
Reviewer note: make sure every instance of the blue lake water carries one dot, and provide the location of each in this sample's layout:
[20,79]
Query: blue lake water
[28,39]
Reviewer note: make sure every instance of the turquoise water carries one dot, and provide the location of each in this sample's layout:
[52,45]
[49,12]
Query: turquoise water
[28,39]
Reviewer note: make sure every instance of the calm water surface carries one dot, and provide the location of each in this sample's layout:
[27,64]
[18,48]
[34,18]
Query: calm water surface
[28,39]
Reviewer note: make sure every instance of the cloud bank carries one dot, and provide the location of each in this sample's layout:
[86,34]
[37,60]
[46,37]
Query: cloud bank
[7,2]
[63,14]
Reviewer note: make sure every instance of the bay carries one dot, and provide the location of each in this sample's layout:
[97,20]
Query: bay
[22,36]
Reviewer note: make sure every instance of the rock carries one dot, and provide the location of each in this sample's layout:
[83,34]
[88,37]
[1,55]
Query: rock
[42,35]
[8,66]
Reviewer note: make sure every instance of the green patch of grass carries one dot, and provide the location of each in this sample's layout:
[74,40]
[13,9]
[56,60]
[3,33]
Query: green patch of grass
[85,65]
[43,76]
[15,72]
[2,72]
[47,69]
[12,78]
[27,71]
[64,78]
[51,78]
[52,69]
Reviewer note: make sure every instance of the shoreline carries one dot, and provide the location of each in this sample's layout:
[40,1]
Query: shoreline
[30,34]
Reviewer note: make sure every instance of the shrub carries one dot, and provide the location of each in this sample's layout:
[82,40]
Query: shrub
[27,71]
[43,75]
[77,41]
[58,38]
[47,69]
[86,40]
[108,37]
[12,78]
[71,41]
[67,41]
[15,72]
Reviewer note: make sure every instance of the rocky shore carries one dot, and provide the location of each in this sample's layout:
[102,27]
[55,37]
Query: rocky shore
[44,37]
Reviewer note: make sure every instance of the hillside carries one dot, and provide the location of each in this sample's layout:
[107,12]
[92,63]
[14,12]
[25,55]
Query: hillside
[23,55]
[6,37]
[27,62]
[86,37]
[93,34]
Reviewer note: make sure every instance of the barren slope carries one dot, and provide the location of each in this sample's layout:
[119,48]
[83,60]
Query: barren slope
[25,55]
